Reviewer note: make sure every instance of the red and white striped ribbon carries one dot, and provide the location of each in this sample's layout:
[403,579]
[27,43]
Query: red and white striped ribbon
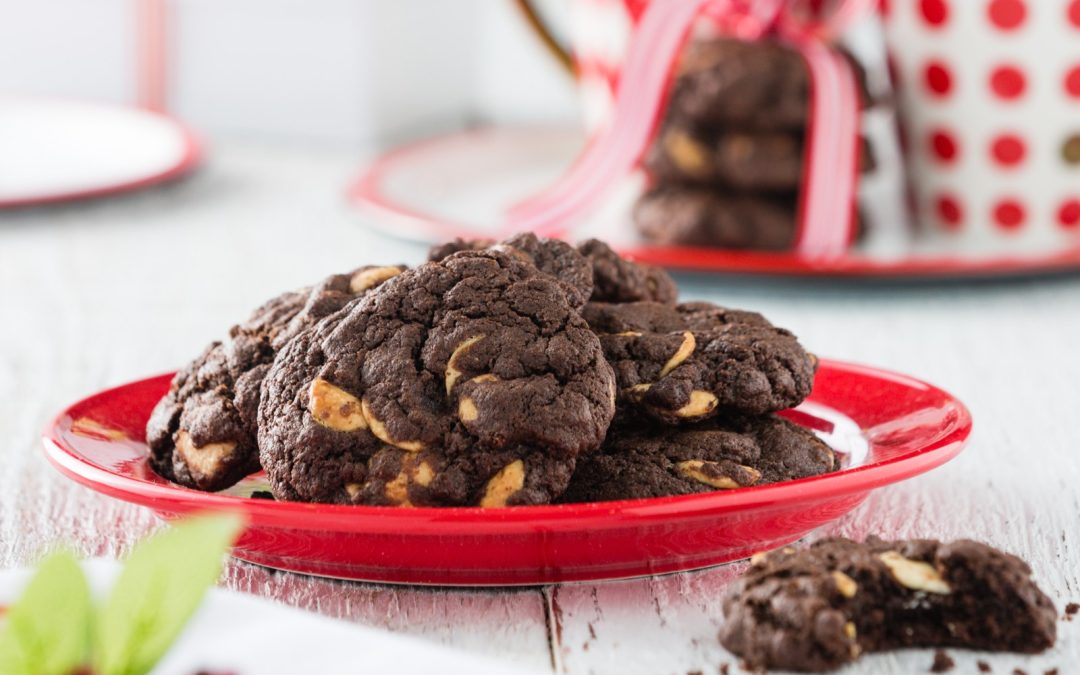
[831,166]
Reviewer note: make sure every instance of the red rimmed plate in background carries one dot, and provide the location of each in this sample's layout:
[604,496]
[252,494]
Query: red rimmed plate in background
[57,150]
[461,184]
[888,427]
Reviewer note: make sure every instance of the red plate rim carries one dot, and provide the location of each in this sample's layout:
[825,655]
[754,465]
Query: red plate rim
[475,520]
[190,157]
[366,192]
[727,261]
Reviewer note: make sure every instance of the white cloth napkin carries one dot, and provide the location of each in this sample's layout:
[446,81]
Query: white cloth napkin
[241,634]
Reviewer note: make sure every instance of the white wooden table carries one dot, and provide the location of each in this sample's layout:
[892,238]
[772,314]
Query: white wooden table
[93,295]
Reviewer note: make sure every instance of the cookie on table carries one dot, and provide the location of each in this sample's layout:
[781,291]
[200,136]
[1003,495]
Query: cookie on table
[617,279]
[691,361]
[468,381]
[642,461]
[202,433]
[820,607]
[695,216]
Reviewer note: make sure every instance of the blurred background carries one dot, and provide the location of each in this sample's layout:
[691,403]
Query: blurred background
[338,73]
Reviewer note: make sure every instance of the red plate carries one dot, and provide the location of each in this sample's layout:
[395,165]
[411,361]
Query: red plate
[889,427]
[461,185]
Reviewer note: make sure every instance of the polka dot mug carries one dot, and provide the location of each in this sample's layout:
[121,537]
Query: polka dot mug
[990,100]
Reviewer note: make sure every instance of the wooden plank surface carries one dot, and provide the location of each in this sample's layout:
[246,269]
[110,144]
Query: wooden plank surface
[96,295]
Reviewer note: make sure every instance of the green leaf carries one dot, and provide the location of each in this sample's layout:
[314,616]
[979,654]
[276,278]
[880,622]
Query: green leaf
[162,584]
[47,632]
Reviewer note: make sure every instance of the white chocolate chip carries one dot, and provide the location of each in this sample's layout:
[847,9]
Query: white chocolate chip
[334,408]
[681,354]
[205,461]
[353,489]
[452,371]
[370,278]
[412,472]
[707,472]
[701,403]
[915,574]
[687,154]
[509,480]
[844,584]
[467,411]
[380,431]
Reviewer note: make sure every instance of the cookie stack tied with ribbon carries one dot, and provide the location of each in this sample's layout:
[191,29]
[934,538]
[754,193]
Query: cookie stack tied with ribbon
[497,374]
[729,161]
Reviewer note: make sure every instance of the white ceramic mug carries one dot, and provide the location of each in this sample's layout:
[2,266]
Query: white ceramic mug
[990,104]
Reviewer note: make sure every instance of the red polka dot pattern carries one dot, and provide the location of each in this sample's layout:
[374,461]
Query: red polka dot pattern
[934,12]
[1007,14]
[885,7]
[1009,214]
[1074,13]
[1008,150]
[1069,214]
[1008,82]
[944,146]
[950,211]
[1072,82]
[938,79]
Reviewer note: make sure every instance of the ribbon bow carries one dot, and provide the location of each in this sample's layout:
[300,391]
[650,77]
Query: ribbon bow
[825,222]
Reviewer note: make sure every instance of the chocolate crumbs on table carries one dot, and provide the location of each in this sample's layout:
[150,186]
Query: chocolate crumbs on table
[943,663]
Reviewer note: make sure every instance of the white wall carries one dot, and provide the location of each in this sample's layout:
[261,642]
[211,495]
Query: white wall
[333,71]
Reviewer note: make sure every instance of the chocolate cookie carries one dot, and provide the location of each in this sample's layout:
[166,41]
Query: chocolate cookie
[643,461]
[550,256]
[687,362]
[733,160]
[598,271]
[766,161]
[202,433]
[762,85]
[617,279]
[820,607]
[696,216]
[727,82]
[468,381]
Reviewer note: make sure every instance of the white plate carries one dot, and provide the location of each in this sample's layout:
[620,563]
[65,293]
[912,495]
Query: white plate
[55,150]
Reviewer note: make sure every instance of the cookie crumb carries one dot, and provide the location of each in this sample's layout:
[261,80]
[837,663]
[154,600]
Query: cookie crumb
[1071,609]
[724,670]
[1019,671]
[983,666]
[943,663]
[262,494]
[1052,671]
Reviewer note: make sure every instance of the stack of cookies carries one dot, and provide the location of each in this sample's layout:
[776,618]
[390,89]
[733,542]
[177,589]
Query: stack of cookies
[727,162]
[522,372]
